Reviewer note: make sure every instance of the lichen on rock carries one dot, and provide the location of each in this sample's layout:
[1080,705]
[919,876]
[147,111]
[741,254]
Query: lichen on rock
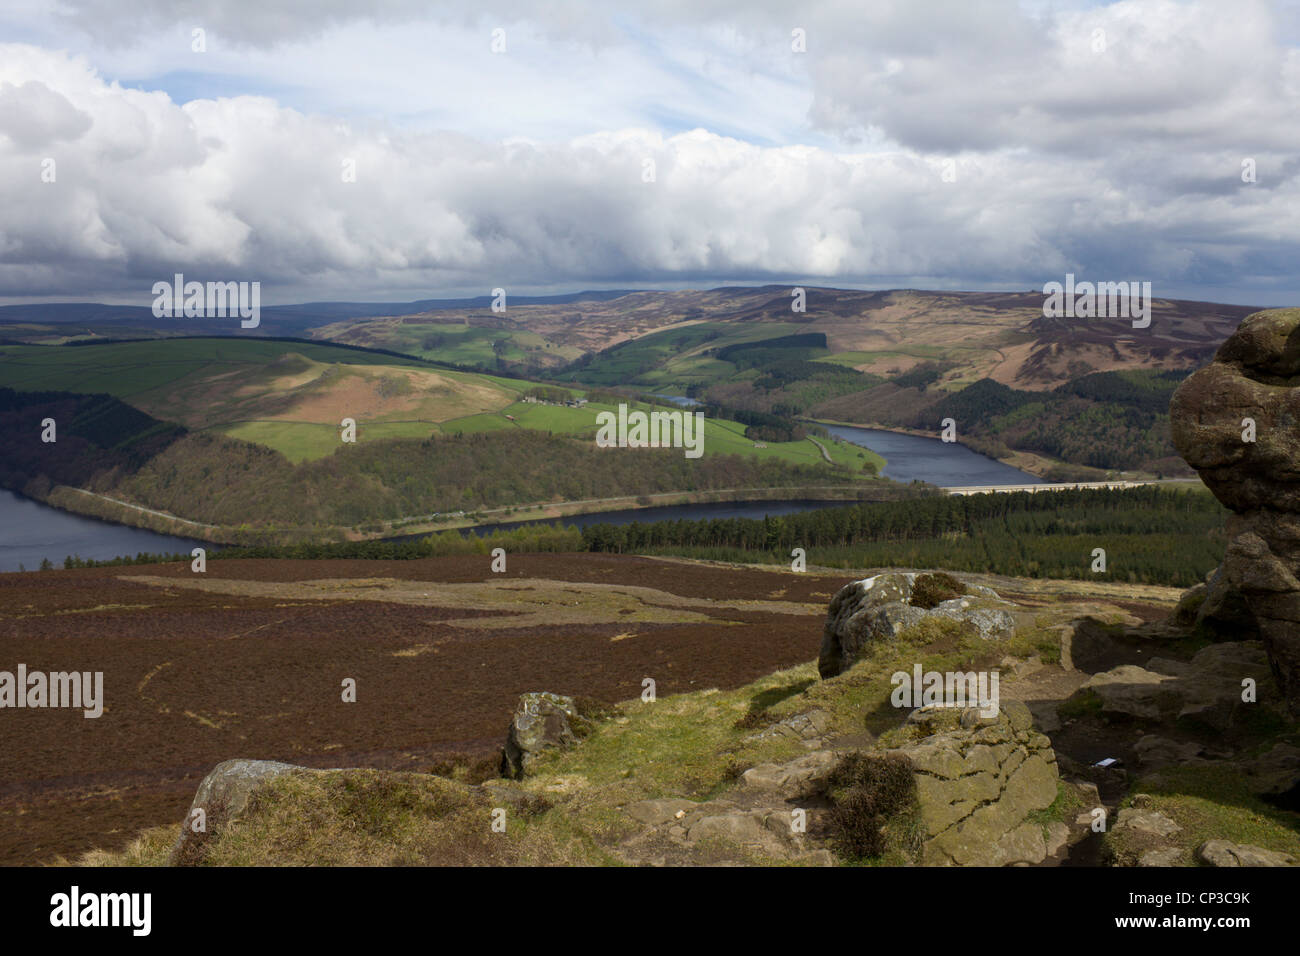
[881,607]
[1237,422]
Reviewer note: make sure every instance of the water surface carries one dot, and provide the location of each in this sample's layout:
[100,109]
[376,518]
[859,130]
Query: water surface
[946,464]
[31,531]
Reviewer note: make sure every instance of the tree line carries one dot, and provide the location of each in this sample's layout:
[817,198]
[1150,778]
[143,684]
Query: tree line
[1150,535]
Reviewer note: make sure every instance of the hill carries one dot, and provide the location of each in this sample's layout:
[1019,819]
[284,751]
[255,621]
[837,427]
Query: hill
[246,446]
[290,396]
[1070,399]
[885,358]
[998,335]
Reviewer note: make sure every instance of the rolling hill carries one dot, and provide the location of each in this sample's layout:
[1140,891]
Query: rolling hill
[289,396]
[886,358]
[1070,398]
[239,439]
[998,335]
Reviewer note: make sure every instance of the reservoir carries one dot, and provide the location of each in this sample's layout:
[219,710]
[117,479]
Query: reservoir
[31,531]
[907,458]
[946,464]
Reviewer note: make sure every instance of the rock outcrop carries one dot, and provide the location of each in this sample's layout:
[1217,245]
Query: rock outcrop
[223,797]
[978,780]
[760,821]
[1224,853]
[879,608]
[1237,422]
[1206,690]
[542,721]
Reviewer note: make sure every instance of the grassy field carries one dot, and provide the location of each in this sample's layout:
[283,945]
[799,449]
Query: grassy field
[458,343]
[721,437]
[306,441]
[291,396]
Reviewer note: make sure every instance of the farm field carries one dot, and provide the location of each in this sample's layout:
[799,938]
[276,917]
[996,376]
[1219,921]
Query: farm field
[291,396]
[721,437]
[457,343]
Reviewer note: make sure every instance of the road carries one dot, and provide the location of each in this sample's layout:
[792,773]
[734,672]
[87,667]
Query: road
[142,509]
[821,448]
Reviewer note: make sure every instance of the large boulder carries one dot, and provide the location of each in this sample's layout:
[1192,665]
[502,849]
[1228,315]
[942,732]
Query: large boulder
[979,781]
[1255,375]
[852,619]
[1204,692]
[990,623]
[222,798]
[1275,773]
[880,607]
[541,722]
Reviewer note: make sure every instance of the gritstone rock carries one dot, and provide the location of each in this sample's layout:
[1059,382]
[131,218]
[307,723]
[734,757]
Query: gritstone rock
[1255,375]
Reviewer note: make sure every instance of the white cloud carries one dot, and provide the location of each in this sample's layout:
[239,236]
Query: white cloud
[525,170]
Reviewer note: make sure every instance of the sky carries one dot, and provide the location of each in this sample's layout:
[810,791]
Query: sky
[384,151]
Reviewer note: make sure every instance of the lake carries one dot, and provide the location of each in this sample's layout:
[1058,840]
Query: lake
[30,531]
[907,458]
[916,458]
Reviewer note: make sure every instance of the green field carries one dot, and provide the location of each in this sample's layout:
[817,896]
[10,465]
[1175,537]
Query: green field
[462,344]
[245,389]
[131,368]
[307,441]
[721,437]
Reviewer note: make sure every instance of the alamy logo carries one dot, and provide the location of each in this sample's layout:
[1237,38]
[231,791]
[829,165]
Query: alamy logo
[74,908]
[215,300]
[951,689]
[1105,300]
[57,689]
[653,430]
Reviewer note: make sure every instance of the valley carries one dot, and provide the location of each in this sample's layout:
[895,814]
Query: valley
[453,387]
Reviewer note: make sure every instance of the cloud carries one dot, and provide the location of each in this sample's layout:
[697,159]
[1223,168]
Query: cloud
[32,115]
[1151,74]
[940,75]
[1116,159]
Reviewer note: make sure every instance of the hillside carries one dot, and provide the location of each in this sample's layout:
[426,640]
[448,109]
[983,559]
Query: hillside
[1100,423]
[289,396]
[244,441]
[998,335]
[1074,399]
[742,731]
[888,358]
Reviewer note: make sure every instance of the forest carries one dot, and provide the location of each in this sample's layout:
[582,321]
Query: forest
[1150,535]
[109,448]
[1105,420]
